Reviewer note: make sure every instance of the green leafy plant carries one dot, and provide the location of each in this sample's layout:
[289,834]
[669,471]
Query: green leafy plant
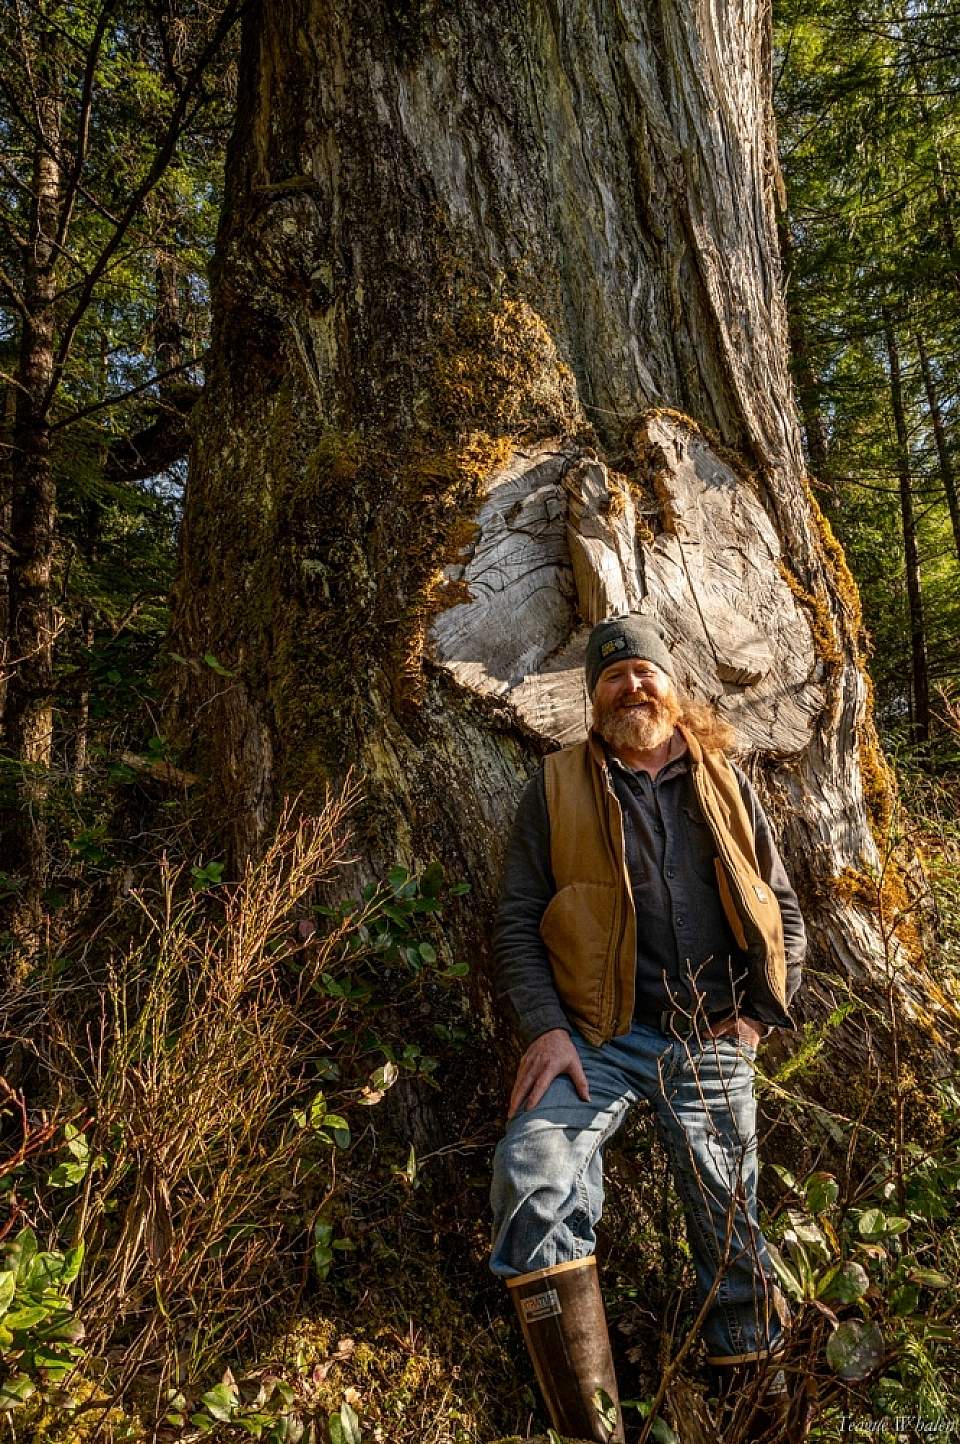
[869,1260]
[41,1339]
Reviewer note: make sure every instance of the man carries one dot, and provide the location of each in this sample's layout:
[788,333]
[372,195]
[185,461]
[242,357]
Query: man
[646,939]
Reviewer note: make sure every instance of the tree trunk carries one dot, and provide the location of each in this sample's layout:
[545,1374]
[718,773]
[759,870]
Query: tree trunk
[500,347]
[920,684]
[814,423]
[944,460]
[28,717]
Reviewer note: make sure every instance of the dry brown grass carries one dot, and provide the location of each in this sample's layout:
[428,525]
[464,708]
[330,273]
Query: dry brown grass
[186,1082]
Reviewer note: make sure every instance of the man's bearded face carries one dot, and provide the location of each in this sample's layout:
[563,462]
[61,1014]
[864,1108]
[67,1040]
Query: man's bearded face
[635,706]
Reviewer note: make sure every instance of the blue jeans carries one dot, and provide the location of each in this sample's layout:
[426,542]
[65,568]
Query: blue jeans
[547,1190]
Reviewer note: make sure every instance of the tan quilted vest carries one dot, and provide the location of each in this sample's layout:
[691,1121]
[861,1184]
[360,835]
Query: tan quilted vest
[589,927]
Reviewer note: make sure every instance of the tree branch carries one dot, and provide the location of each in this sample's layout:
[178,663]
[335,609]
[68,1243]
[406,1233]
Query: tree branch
[83,126]
[154,449]
[121,396]
[178,123]
[13,291]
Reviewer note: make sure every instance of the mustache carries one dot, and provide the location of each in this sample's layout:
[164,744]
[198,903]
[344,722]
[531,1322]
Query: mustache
[656,704]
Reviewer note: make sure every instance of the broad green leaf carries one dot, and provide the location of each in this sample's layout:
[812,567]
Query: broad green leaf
[61,1328]
[56,1364]
[930,1278]
[46,1270]
[66,1175]
[844,1283]
[787,1277]
[822,1192]
[16,1391]
[896,1225]
[23,1252]
[855,1349]
[431,879]
[77,1143]
[344,1428]
[805,1231]
[221,1401]
[8,1287]
[385,1077]
[606,1410]
[872,1223]
[905,1299]
[661,1432]
[72,1264]
[26,1317]
[322,1247]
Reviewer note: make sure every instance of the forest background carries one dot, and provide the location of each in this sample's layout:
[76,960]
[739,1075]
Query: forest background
[114,123]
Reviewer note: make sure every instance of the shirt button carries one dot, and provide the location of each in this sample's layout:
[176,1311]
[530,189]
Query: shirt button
[670,872]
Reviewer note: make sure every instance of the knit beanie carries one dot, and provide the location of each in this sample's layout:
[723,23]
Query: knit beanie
[619,638]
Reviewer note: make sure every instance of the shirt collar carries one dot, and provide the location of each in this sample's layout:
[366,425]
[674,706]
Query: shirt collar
[673,768]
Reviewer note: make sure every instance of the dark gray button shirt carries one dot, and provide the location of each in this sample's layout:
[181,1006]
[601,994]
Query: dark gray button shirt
[685,948]
[683,938]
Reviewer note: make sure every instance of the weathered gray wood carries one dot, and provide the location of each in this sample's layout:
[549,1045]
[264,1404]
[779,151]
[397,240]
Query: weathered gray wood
[711,578]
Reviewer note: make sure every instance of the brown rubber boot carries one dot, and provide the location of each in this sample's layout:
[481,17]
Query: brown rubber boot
[565,1331]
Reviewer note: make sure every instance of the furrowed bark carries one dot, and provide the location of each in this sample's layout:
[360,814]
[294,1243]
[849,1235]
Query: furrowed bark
[814,424]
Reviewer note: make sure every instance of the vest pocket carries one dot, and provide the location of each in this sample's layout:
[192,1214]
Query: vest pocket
[577,929]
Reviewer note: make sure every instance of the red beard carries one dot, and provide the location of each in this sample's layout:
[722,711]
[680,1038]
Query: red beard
[639,728]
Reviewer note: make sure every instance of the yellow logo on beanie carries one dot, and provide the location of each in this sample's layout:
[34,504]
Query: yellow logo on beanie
[615,644]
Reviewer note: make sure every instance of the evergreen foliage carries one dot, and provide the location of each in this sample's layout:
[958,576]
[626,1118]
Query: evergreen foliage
[868,105]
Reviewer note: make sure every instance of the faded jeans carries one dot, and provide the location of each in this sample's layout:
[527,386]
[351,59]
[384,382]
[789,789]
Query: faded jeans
[547,1190]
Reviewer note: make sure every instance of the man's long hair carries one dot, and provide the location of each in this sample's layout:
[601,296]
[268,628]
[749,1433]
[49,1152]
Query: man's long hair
[706,724]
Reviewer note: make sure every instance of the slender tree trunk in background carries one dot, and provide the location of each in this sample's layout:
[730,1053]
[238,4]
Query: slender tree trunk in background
[485,284]
[944,461]
[29,655]
[920,685]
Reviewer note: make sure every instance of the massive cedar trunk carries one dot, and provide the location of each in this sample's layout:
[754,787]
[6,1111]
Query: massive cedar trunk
[500,347]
